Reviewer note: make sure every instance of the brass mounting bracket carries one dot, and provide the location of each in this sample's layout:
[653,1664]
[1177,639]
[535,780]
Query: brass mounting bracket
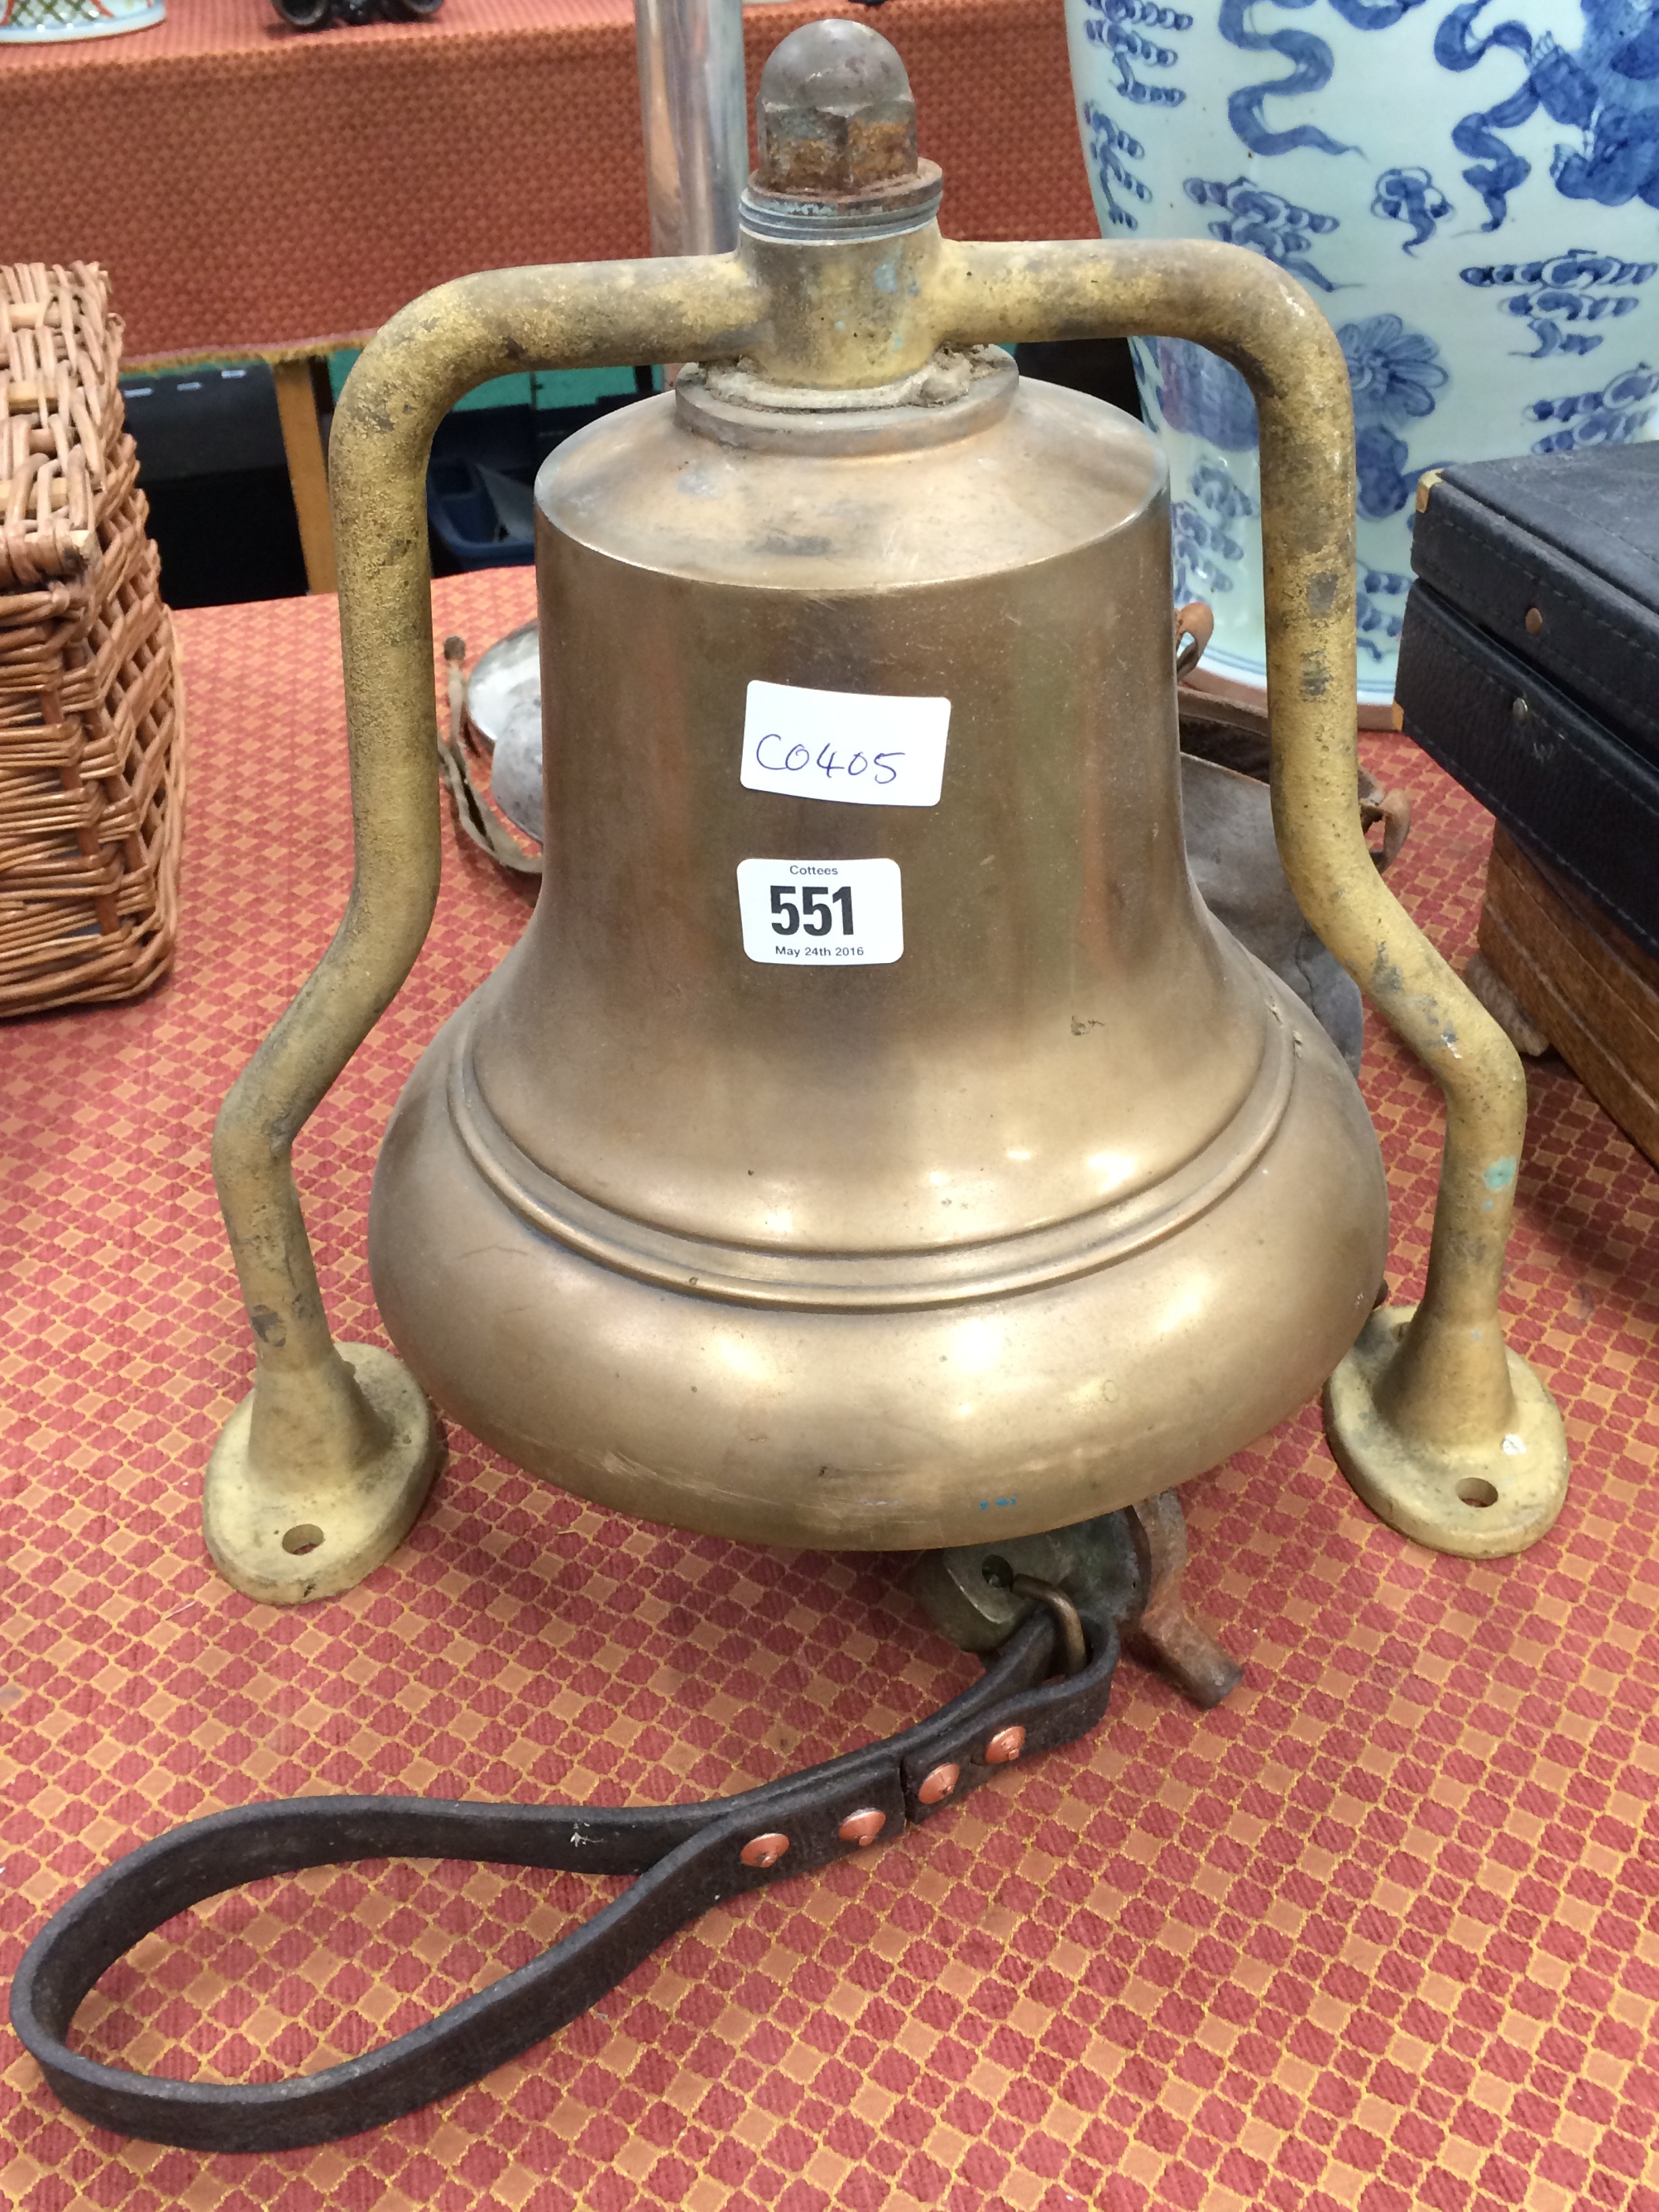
[856,307]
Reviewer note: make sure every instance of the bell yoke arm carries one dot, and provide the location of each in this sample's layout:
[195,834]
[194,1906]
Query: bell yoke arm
[1450,1387]
[408,376]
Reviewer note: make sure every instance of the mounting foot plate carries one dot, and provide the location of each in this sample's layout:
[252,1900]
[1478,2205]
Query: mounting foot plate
[286,1539]
[1480,1502]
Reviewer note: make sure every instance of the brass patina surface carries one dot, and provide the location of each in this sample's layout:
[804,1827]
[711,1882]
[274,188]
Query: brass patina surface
[1067,1199]
[1038,1332]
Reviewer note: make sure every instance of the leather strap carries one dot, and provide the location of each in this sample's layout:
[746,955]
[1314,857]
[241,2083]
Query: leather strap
[685,1858]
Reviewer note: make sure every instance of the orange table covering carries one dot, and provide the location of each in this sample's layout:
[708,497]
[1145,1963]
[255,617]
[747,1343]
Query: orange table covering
[254,188]
[1381,1933]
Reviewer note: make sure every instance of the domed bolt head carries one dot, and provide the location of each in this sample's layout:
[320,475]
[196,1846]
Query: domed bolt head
[1004,1747]
[862,1828]
[939,1784]
[764,1851]
[834,113]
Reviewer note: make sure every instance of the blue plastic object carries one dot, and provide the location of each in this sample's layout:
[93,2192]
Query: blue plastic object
[484,466]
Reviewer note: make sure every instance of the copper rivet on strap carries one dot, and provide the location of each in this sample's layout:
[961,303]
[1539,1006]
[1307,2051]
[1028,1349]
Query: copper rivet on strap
[1004,1747]
[765,1850]
[862,1828]
[939,1784]
[1534,620]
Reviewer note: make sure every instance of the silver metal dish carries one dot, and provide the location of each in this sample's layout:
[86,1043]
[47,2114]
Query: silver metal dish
[504,710]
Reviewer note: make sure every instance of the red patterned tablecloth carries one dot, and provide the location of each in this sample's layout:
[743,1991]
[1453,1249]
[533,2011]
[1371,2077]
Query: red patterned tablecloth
[257,189]
[1379,1934]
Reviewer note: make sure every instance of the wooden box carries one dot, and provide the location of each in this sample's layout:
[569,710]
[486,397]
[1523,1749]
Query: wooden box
[1593,993]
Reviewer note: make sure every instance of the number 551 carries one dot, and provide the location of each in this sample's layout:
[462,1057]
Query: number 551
[814,916]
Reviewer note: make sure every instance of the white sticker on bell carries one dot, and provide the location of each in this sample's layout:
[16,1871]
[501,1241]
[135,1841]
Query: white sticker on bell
[821,913]
[859,747]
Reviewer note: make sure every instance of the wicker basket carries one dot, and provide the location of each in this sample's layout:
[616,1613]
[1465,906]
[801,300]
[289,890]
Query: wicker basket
[91,731]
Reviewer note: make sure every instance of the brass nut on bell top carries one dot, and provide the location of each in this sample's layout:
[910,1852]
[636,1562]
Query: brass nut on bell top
[835,112]
[764,1851]
[862,1828]
[1004,1747]
[938,1786]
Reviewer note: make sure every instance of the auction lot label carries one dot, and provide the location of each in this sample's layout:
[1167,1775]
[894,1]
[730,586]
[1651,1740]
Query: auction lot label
[821,913]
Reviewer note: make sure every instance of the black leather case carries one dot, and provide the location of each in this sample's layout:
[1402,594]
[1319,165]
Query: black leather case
[1530,660]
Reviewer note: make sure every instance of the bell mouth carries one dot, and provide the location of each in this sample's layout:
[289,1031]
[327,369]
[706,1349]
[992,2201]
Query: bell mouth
[962,390]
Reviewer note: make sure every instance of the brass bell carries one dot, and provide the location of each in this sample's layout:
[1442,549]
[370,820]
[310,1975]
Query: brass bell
[872,1143]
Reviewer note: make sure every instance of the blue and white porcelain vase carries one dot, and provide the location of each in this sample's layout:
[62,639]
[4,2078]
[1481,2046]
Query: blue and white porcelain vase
[1468,190]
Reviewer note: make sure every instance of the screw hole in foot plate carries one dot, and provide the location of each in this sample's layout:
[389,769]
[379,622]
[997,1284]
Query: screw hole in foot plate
[305,1536]
[1474,1491]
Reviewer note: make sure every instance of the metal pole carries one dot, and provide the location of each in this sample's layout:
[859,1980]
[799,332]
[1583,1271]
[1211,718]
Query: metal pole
[696,130]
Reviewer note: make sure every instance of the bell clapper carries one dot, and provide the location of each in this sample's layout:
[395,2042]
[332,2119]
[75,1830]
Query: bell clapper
[1163,1635]
[1129,1563]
